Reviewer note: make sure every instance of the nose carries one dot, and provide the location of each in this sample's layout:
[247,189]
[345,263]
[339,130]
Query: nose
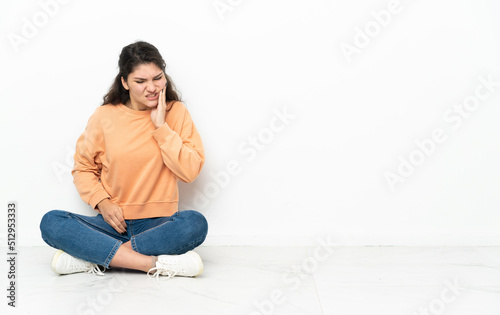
[151,87]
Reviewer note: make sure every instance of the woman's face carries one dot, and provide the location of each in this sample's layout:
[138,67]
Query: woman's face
[144,85]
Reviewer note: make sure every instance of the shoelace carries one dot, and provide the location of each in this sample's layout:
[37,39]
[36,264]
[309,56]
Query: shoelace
[158,271]
[96,270]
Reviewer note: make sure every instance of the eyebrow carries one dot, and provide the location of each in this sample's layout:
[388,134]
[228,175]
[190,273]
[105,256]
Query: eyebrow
[156,76]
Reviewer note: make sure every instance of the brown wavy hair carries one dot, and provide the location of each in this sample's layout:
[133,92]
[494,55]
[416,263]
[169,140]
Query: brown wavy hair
[132,56]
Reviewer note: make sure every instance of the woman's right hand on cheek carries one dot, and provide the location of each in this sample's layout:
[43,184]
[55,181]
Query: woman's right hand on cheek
[113,215]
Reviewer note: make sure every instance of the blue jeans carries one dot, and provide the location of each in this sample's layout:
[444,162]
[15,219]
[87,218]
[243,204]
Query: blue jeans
[92,239]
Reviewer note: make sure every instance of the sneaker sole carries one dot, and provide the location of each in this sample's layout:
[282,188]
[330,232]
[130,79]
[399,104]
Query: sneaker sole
[200,262]
[54,260]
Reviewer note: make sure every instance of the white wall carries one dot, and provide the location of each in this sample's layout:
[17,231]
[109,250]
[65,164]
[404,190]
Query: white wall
[322,172]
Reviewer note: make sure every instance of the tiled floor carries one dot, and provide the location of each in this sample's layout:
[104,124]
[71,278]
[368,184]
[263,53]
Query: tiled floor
[277,280]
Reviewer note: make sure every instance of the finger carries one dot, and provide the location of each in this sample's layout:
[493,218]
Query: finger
[121,219]
[122,224]
[114,222]
[162,100]
[120,228]
[162,97]
[116,226]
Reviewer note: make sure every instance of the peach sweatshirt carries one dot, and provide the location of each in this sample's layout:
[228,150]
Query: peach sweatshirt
[122,156]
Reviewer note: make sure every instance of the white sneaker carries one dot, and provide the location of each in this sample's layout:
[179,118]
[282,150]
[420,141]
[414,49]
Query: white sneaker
[186,265]
[63,264]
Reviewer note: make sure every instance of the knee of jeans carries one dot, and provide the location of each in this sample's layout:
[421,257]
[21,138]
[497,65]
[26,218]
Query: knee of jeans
[49,224]
[197,221]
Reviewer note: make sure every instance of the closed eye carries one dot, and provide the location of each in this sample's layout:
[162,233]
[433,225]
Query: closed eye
[156,79]
[142,80]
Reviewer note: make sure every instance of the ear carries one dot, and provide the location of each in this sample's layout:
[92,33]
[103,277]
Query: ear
[124,83]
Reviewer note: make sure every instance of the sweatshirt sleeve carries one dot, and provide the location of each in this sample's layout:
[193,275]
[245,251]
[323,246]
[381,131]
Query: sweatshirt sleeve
[181,146]
[87,168]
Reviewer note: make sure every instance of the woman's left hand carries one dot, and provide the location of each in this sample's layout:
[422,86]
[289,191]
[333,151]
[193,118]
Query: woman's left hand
[158,113]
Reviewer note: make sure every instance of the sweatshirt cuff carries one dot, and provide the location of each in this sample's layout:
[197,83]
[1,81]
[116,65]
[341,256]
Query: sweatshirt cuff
[99,196]
[163,132]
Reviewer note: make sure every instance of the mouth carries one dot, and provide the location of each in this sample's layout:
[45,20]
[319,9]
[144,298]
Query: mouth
[152,96]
